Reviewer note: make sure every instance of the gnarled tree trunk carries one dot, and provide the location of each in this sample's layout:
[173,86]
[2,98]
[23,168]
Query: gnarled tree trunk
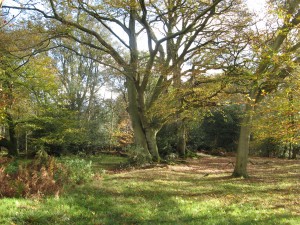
[133,110]
[152,144]
[144,134]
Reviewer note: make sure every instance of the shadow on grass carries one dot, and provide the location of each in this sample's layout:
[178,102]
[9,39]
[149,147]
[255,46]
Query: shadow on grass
[165,196]
[117,201]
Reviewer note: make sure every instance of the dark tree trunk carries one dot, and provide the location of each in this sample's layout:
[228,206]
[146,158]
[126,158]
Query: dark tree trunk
[181,139]
[12,145]
[290,150]
[295,152]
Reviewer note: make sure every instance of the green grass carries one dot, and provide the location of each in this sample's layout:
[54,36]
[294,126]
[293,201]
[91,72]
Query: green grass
[178,194]
[102,161]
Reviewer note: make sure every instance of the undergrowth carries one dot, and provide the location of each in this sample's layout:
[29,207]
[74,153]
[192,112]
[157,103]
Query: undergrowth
[42,176]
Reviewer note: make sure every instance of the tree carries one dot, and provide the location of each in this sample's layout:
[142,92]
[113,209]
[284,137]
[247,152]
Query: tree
[277,119]
[19,79]
[70,115]
[276,59]
[18,86]
[175,31]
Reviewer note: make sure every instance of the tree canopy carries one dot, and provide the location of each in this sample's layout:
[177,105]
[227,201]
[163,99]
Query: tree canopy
[170,60]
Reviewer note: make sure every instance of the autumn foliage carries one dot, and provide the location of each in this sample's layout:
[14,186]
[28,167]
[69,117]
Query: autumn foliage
[40,177]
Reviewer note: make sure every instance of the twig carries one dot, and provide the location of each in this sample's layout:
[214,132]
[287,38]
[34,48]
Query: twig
[232,163]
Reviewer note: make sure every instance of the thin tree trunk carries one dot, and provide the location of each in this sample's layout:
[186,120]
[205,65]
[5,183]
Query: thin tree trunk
[180,124]
[290,150]
[284,151]
[12,144]
[240,169]
[181,139]
[295,152]
[293,148]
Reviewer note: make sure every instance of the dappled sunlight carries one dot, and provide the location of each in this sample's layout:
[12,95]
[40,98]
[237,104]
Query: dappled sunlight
[199,191]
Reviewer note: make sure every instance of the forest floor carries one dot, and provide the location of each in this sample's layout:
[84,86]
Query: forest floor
[195,191]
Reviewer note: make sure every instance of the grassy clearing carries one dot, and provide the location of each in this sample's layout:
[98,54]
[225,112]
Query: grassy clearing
[198,192]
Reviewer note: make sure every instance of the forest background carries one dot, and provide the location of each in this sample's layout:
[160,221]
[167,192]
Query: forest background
[180,77]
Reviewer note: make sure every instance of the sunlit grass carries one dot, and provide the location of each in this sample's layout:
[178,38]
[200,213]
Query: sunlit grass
[170,195]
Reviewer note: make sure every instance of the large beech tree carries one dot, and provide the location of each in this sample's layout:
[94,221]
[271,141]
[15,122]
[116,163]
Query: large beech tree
[277,57]
[149,42]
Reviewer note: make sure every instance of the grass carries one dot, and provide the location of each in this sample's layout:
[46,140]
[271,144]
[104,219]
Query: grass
[198,192]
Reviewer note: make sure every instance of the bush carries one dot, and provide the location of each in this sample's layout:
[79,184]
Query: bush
[79,170]
[137,155]
[269,147]
[219,130]
[12,168]
[167,140]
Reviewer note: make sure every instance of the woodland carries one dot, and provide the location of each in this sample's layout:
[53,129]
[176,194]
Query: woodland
[149,112]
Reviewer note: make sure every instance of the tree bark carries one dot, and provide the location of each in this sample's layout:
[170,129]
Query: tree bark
[133,110]
[295,152]
[290,150]
[240,169]
[144,134]
[152,144]
[293,148]
[11,144]
[181,139]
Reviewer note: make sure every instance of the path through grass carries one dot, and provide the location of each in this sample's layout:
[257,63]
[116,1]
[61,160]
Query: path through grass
[197,192]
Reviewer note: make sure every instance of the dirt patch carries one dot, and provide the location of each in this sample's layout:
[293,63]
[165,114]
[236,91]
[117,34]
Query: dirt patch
[268,170]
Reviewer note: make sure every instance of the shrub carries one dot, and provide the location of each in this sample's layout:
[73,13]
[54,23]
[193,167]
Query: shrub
[137,155]
[42,176]
[220,129]
[12,168]
[37,178]
[79,170]
[167,139]
[268,147]
[171,157]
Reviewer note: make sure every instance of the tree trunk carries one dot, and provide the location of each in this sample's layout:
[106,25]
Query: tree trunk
[181,139]
[10,144]
[134,107]
[137,126]
[180,124]
[290,150]
[293,149]
[295,152]
[152,144]
[240,169]
[144,135]
[284,151]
